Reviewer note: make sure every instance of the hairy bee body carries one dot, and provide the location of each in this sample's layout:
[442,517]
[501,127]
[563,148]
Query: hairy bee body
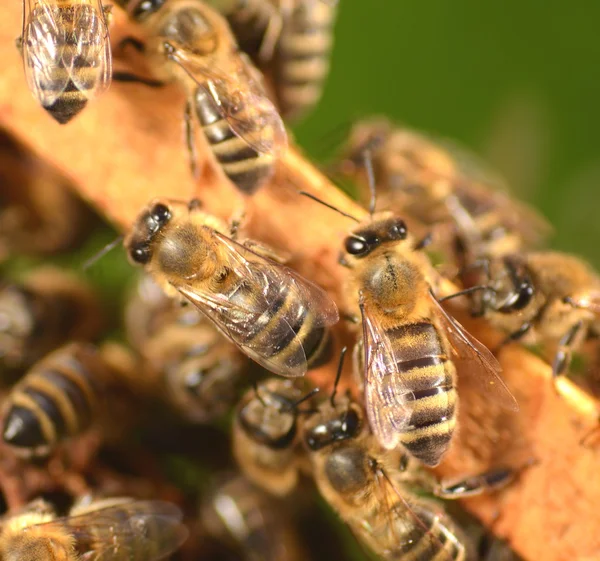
[44,311]
[56,399]
[225,92]
[122,529]
[66,53]
[365,485]
[272,314]
[265,436]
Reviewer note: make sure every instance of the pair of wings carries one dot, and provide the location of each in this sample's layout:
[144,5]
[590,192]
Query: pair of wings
[49,55]
[260,277]
[103,535]
[237,91]
[388,398]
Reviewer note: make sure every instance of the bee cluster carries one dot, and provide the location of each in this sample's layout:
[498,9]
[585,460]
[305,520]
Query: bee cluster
[203,420]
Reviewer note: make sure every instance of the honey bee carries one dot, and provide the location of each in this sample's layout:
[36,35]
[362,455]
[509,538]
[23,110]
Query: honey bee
[411,346]
[370,491]
[199,371]
[437,184]
[57,399]
[48,308]
[294,38]
[540,297]
[264,435]
[251,521]
[192,44]
[66,53]
[275,316]
[119,529]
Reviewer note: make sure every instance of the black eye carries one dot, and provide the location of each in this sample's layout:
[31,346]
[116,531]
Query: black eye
[397,230]
[161,213]
[351,424]
[140,254]
[525,295]
[355,246]
[146,7]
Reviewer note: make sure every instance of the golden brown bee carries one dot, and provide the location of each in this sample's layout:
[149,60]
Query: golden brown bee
[38,315]
[199,371]
[436,184]
[410,344]
[57,399]
[119,529]
[39,212]
[265,434]
[66,53]
[540,297]
[247,519]
[191,43]
[275,316]
[370,490]
[292,37]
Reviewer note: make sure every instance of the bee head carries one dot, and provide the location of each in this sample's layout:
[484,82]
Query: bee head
[343,421]
[512,288]
[362,241]
[144,232]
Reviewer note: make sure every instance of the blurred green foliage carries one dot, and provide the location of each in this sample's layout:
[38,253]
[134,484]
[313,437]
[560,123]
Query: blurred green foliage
[518,82]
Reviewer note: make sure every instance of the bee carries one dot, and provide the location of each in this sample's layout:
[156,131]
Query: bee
[251,521]
[66,53]
[48,308]
[369,489]
[275,316]
[264,435]
[39,212]
[540,297]
[435,184]
[119,529]
[57,399]
[199,371]
[294,38]
[192,44]
[410,345]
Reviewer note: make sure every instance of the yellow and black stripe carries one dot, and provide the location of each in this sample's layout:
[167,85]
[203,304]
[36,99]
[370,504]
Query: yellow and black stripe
[244,166]
[424,368]
[303,57]
[55,400]
[272,333]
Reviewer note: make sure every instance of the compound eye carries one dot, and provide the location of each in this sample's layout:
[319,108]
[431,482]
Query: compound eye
[525,296]
[161,213]
[355,246]
[140,254]
[398,230]
[351,424]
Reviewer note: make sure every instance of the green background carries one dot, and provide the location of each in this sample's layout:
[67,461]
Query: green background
[517,82]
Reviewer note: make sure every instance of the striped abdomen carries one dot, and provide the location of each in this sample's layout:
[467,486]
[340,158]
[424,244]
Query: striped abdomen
[303,57]
[249,22]
[423,368]
[246,167]
[55,400]
[287,331]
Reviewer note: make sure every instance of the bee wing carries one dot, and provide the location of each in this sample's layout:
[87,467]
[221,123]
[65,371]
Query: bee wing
[243,319]
[240,92]
[385,394]
[479,363]
[151,530]
[44,40]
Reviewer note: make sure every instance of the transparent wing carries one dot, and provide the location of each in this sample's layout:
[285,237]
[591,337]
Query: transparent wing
[241,100]
[251,317]
[385,394]
[149,530]
[477,362]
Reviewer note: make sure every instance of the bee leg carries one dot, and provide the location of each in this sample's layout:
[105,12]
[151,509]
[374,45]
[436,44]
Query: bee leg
[476,484]
[236,221]
[19,44]
[562,358]
[188,123]
[424,242]
[342,261]
[128,77]
[515,336]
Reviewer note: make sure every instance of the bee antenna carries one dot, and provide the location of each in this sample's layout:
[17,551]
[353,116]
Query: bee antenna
[100,254]
[304,398]
[314,198]
[257,393]
[368,160]
[171,52]
[338,376]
